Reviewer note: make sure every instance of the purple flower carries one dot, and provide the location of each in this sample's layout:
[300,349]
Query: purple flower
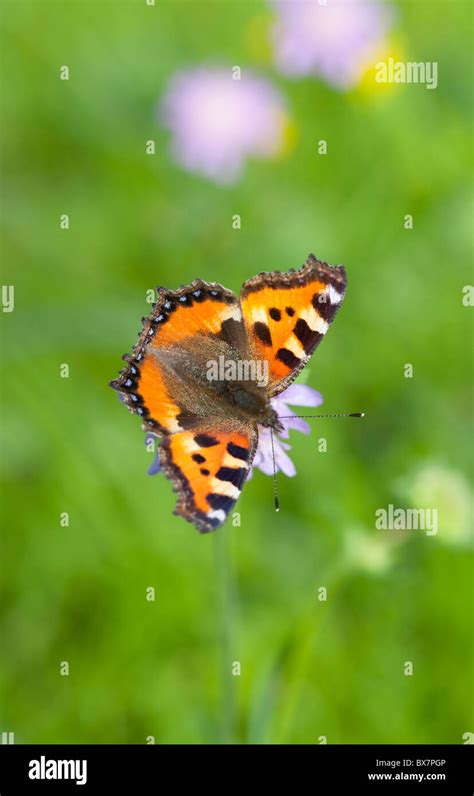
[297,395]
[333,39]
[217,122]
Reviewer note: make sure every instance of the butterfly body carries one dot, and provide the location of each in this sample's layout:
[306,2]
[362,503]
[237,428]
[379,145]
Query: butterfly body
[208,363]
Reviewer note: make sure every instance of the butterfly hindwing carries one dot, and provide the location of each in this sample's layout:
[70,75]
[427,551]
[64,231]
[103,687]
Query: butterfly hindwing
[150,384]
[208,468]
[286,315]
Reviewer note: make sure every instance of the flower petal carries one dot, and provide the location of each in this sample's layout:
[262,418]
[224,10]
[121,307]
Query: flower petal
[297,424]
[264,455]
[156,466]
[301,395]
[284,462]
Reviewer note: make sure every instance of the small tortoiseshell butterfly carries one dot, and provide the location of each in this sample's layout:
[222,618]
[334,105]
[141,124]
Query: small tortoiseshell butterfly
[209,428]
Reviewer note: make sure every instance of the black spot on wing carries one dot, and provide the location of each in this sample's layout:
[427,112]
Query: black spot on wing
[308,338]
[238,452]
[222,502]
[288,358]
[262,332]
[234,475]
[289,311]
[198,458]
[303,333]
[323,306]
[205,441]
[275,314]
[204,471]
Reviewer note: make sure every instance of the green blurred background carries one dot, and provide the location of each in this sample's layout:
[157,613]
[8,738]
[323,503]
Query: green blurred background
[310,670]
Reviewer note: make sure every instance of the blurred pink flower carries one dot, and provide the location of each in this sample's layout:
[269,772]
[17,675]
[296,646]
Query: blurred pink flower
[297,395]
[332,39]
[217,122]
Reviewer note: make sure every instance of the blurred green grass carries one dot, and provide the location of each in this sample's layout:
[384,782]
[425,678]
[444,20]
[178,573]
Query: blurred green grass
[246,594]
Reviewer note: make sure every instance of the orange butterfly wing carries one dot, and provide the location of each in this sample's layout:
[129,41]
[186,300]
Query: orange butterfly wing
[208,468]
[287,315]
[177,316]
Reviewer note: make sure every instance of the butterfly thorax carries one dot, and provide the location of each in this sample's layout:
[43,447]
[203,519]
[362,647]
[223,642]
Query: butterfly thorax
[254,403]
[202,392]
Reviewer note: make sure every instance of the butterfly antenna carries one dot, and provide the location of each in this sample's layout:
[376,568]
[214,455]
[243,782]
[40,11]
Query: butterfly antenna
[277,502]
[337,414]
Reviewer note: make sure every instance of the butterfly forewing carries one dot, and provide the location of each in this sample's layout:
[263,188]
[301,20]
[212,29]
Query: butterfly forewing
[287,315]
[151,384]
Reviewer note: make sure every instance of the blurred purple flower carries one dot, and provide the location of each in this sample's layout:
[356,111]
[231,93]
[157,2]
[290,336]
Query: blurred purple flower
[217,122]
[297,395]
[332,39]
